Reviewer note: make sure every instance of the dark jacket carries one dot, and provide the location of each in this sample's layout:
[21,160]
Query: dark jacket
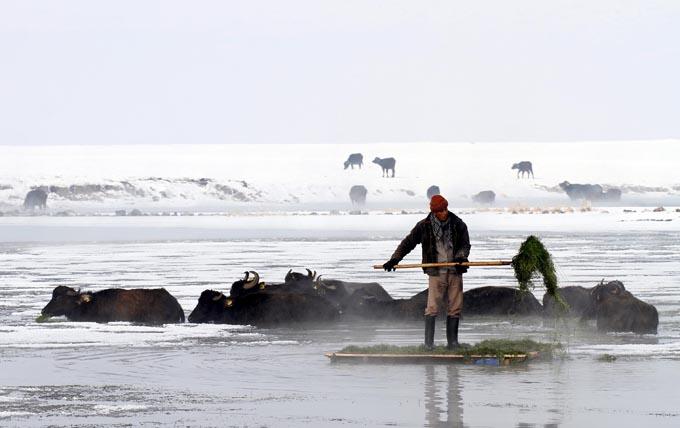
[422,234]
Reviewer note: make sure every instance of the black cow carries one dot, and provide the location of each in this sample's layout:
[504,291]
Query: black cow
[263,308]
[522,167]
[578,300]
[36,198]
[354,159]
[346,295]
[485,197]
[496,301]
[359,305]
[145,306]
[357,195]
[386,164]
[432,190]
[590,192]
[616,309]
[500,301]
[611,305]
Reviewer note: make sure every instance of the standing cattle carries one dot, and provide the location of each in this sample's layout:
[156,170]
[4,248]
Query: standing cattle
[485,197]
[36,198]
[357,194]
[354,159]
[145,306]
[432,190]
[522,167]
[386,164]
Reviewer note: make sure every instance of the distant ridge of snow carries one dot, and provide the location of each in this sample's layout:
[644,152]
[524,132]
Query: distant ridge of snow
[291,176]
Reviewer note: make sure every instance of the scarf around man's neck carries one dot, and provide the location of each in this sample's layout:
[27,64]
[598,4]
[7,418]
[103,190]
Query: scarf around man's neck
[441,230]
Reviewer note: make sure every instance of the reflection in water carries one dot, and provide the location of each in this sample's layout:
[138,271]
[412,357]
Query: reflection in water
[440,411]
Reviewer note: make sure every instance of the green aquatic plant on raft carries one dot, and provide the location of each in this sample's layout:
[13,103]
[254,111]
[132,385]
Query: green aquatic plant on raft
[534,257]
[496,347]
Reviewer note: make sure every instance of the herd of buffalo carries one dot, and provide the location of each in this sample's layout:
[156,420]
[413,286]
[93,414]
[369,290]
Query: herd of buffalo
[309,298]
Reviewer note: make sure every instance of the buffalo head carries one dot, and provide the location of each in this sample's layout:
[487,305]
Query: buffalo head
[64,301]
[210,307]
[617,309]
[300,277]
[246,285]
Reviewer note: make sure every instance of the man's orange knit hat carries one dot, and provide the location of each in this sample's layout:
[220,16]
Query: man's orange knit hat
[438,203]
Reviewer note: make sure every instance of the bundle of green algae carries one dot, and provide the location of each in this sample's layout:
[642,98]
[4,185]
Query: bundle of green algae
[534,257]
[498,348]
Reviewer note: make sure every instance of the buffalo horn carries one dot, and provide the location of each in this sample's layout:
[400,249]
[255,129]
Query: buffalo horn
[253,282]
[218,297]
[288,275]
[323,284]
[311,275]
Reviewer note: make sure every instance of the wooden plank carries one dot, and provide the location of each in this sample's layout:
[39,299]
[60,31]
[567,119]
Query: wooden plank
[429,358]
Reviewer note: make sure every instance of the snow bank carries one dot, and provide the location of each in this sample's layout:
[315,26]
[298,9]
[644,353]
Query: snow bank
[305,176]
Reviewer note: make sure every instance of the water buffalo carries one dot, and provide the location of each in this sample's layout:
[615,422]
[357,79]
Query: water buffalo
[359,305]
[350,297]
[590,192]
[357,195]
[354,159]
[432,190]
[522,167]
[616,309]
[485,197]
[145,306]
[36,198]
[496,301]
[611,305]
[500,301]
[578,299]
[264,308]
[386,164]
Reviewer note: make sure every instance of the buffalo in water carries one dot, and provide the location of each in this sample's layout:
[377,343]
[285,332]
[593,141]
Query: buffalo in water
[482,301]
[36,198]
[256,303]
[354,159]
[610,304]
[502,301]
[144,306]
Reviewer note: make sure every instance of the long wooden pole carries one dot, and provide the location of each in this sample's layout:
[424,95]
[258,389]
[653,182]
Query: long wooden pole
[450,264]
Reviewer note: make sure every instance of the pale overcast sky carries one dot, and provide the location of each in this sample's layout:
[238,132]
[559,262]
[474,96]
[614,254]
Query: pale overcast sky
[167,71]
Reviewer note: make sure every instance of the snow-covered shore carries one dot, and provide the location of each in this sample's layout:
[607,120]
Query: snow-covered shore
[284,177]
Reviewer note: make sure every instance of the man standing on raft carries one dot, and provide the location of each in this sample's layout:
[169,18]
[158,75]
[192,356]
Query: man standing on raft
[444,238]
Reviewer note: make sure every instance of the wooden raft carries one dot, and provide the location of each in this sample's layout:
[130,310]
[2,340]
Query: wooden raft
[489,360]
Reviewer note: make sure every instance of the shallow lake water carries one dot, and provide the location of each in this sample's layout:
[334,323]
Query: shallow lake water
[87,374]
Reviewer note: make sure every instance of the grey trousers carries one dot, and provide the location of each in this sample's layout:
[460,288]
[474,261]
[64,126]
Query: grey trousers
[446,285]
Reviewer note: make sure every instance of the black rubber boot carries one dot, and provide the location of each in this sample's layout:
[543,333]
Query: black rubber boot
[452,333]
[429,331]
